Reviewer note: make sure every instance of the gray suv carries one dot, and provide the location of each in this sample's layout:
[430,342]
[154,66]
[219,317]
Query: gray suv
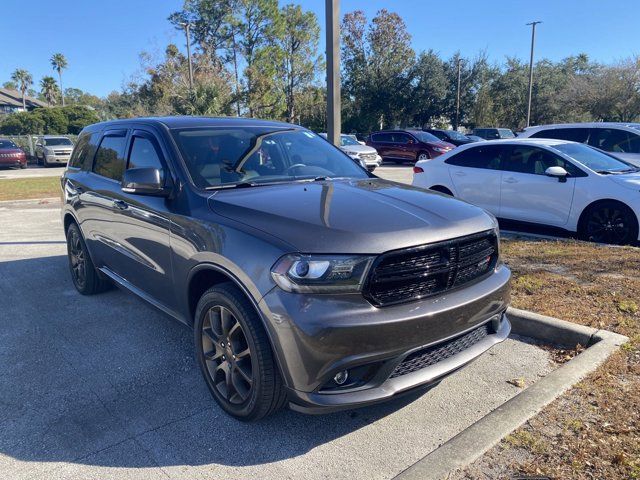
[308,281]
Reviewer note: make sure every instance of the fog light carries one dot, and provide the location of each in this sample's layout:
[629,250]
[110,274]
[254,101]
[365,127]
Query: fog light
[341,377]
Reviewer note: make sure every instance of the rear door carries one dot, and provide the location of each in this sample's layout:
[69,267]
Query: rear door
[527,194]
[476,176]
[141,224]
[383,143]
[97,208]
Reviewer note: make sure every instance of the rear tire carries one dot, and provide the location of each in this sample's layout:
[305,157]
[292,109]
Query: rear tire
[84,275]
[609,222]
[235,356]
[423,156]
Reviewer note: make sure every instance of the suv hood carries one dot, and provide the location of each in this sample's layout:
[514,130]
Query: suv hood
[359,149]
[368,216]
[629,180]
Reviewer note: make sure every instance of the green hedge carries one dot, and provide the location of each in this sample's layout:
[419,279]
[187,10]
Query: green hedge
[49,121]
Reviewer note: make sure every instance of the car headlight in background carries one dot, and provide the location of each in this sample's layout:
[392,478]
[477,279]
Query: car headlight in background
[321,273]
[441,149]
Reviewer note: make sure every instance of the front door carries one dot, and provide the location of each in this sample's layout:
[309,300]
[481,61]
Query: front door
[527,194]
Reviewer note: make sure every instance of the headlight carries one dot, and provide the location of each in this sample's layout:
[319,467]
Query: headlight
[441,149]
[321,273]
[353,154]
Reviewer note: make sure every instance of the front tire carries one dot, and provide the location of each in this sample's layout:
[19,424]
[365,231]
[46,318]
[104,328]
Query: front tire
[235,356]
[609,222]
[84,275]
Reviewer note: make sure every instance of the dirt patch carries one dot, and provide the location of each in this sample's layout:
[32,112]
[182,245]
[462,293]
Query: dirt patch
[593,431]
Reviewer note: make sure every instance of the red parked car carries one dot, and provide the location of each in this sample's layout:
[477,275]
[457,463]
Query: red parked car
[407,145]
[11,155]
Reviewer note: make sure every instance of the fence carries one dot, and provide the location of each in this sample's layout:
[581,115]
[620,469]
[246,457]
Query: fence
[28,143]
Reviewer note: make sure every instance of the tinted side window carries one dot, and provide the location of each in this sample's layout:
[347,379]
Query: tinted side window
[382,137]
[487,157]
[144,154]
[400,138]
[535,161]
[109,160]
[573,134]
[608,139]
[80,151]
[632,145]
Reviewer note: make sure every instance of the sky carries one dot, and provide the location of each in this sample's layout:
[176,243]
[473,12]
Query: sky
[102,39]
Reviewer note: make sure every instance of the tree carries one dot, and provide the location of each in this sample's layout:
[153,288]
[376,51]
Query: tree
[298,42]
[24,80]
[429,89]
[49,89]
[59,63]
[378,62]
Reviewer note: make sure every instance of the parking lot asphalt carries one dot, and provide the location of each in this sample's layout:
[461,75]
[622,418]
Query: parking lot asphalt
[104,386]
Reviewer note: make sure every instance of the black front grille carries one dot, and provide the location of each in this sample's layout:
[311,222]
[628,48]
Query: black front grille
[431,355]
[410,274]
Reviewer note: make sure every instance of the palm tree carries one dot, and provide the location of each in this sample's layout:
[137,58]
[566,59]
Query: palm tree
[24,80]
[59,63]
[49,89]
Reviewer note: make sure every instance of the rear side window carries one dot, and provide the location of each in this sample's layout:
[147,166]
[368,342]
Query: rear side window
[80,151]
[579,135]
[487,157]
[381,137]
[83,153]
[109,160]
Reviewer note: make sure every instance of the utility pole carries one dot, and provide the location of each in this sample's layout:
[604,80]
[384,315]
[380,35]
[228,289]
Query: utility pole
[458,98]
[187,26]
[533,41]
[334,121]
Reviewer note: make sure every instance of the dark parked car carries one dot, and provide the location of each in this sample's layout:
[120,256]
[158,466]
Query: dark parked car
[493,133]
[11,155]
[451,136]
[407,145]
[307,280]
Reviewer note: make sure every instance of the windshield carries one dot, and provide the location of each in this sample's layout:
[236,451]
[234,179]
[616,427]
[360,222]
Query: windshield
[54,142]
[425,136]
[594,159]
[228,156]
[347,140]
[7,144]
[506,133]
[456,135]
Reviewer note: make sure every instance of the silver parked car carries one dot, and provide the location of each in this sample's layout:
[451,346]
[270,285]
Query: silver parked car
[54,150]
[363,153]
[620,139]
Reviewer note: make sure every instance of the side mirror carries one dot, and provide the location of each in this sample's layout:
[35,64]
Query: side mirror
[145,181]
[557,172]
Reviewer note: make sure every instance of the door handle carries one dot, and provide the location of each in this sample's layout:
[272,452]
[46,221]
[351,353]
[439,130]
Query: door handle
[120,205]
[510,180]
[460,174]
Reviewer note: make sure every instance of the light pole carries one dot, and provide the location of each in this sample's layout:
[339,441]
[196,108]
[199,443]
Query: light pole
[458,98]
[334,121]
[533,41]
[187,26]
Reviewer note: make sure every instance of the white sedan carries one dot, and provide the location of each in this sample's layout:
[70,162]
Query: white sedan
[549,182]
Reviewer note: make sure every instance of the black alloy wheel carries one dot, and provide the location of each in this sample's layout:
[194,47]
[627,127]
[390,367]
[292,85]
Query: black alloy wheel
[235,355]
[84,275]
[610,222]
[227,354]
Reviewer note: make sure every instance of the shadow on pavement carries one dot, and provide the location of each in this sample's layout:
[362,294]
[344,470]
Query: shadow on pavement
[107,381]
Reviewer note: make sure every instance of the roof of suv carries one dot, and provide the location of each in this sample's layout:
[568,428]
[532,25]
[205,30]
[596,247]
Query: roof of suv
[585,124]
[191,121]
[549,142]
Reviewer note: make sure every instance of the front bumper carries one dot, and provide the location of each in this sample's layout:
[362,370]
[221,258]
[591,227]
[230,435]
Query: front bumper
[317,336]
[61,159]
[13,162]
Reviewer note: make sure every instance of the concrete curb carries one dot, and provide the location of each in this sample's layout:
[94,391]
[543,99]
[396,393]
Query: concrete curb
[31,202]
[474,441]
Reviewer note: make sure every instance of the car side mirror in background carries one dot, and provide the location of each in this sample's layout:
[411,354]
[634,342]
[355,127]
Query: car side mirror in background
[557,172]
[145,181]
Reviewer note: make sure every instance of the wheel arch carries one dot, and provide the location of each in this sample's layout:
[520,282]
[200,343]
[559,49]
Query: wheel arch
[585,210]
[206,275]
[441,189]
[68,219]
